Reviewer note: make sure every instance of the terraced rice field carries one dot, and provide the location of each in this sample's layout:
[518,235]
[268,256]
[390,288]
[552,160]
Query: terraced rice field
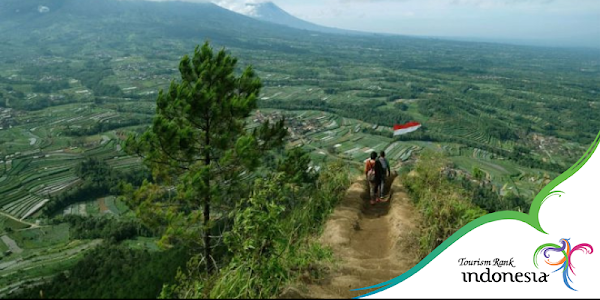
[37,160]
[32,181]
[45,264]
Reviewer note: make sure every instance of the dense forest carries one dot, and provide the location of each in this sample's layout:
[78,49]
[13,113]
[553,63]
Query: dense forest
[113,271]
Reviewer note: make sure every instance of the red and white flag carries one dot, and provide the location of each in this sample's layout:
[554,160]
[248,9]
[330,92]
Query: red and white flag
[406,128]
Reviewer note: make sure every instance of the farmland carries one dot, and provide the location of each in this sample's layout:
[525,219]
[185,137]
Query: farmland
[33,173]
[327,136]
[331,112]
[68,101]
[39,156]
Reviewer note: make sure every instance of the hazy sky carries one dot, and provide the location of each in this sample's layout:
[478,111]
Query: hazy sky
[560,22]
[553,22]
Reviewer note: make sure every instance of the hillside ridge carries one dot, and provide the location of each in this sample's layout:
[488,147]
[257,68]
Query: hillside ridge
[372,244]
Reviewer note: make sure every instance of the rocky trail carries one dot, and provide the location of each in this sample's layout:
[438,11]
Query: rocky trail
[371,243]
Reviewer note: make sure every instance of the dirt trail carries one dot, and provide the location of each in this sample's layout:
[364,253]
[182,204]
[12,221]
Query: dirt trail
[371,243]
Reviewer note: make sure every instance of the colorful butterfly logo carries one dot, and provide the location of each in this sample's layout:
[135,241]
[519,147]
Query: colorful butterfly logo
[566,263]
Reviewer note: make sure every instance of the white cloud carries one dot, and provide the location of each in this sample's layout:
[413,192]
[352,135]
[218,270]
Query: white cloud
[43,9]
[245,7]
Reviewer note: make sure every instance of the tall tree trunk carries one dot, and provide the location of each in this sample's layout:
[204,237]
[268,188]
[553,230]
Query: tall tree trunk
[207,252]
[209,265]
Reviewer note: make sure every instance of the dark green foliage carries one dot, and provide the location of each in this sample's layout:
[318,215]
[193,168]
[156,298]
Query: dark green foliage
[99,180]
[83,192]
[108,228]
[33,104]
[484,196]
[49,87]
[270,240]
[97,128]
[93,169]
[401,106]
[198,145]
[91,76]
[114,272]
[295,166]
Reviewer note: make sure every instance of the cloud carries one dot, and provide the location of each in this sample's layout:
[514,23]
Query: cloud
[197,1]
[477,3]
[245,7]
[43,9]
[460,2]
[496,3]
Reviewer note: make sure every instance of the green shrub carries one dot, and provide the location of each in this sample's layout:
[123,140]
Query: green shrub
[444,205]
[271,241]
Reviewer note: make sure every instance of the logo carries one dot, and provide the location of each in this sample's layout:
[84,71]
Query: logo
[566,264]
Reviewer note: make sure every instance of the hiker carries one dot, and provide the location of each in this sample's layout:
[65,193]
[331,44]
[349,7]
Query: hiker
[373,171]
[386,172]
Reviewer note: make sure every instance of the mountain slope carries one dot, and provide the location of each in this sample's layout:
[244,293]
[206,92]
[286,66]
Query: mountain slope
[373,244]
[73,25]
[270,12]
[190,17]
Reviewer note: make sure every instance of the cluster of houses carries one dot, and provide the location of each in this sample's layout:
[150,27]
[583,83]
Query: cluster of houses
[6,118]
[298,127]
[139,72]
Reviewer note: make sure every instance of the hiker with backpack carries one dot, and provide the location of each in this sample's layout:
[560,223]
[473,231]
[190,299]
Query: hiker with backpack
[386,172]
[373,171]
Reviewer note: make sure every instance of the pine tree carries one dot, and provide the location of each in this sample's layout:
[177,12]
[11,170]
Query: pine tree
[198,148]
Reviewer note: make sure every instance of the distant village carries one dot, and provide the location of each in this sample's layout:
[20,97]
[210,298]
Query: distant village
[6,118]
[298,127]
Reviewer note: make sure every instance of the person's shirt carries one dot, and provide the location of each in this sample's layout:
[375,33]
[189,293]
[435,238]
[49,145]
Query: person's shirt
[369,164]
[385,164]
[379,171]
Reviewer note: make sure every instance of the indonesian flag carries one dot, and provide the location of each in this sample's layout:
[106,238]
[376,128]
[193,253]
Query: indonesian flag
[406,128]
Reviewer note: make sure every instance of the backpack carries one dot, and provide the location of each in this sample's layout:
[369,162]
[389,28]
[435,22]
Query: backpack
[371,173]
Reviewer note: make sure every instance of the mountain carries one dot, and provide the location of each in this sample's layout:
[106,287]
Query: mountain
[270,12]
[183,18]
[64,27]
[165,29]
